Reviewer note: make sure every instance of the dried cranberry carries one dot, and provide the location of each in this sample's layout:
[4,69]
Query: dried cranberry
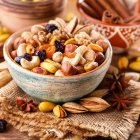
[17,59]
[3,125]
[59,46]
[41,54]
[27,56]
[50,27]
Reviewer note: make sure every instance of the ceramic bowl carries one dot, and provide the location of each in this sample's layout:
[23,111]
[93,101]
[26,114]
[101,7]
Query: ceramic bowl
[121,37]
[52,88]
[24,14]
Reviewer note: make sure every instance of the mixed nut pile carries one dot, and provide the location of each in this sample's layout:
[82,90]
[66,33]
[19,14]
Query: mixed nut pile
[59,48]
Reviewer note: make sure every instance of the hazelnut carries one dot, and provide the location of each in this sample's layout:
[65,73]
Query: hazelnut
[100,58]
[68,69]
[14,54]
[103,44]
[80,69]
[70,48]
[18,41]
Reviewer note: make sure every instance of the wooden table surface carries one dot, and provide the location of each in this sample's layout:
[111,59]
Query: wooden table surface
[13,134]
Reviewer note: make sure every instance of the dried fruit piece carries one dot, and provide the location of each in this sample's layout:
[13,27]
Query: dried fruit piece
[96,47]
[74,107]
[135,66]
[90,66]
[100,58]
[99,93]
[94,104]
[51,27]
[68,69]
[49,67]
[123,63]
[59,46]
[70,55]
[39,70]
[41,54]
[27,56]
[46,106]
[70,41]
[138,59]
[59,111]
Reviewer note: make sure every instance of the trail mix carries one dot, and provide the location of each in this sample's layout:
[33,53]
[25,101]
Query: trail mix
[59,48]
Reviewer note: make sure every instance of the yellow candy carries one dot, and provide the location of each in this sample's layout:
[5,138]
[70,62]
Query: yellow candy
[138,59]
[46,106]
[4,37]
[49,67]
[123,62]
[135,66]
[70,41]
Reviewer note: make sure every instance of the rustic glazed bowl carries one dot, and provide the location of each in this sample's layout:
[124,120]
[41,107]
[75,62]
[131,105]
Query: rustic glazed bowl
[24,14]
[121,37]
[52,88]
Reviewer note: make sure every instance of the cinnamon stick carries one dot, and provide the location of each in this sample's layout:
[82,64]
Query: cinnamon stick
[88,10]
[137,7]
[119,8]
[95,5]
[135,19]
[107,6]
[117,20]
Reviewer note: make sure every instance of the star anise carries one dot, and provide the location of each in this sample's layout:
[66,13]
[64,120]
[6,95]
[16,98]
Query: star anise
[26,105]
[119,101]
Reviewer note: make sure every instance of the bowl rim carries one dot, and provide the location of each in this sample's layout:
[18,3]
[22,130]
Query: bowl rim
[8,58]
[96,21]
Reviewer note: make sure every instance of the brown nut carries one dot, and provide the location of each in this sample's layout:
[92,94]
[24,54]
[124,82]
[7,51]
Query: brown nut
[100,58]
[103,44]
[14,54]
[90,55]
[39,70]
[80,69]
[68,69]
[18,41]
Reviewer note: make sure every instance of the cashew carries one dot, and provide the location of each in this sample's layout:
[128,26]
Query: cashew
[30,64]
[57,57]
[36,28]
[21,49]
[95,36]
[81,50]
[82,61]
[27,35]
[65,59]
[59,73]
[75,61]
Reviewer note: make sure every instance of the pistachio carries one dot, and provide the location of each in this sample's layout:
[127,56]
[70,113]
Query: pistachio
[123,63]
[94,104]
[46,106]
[59,111]
[132,76]
[99,93]
[74,107]
[135,66]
